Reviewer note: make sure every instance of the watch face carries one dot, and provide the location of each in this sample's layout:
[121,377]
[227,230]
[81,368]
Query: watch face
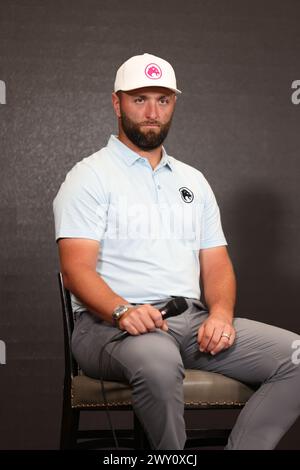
[119,311]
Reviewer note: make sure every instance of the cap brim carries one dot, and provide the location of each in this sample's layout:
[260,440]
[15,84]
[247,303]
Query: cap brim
[178,92]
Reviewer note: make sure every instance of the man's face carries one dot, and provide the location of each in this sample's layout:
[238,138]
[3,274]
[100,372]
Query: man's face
[146,115]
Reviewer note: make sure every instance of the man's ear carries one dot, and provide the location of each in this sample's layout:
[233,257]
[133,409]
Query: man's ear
[116,104]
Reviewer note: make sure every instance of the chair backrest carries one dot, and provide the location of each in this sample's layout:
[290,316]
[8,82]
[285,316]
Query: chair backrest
[71,366]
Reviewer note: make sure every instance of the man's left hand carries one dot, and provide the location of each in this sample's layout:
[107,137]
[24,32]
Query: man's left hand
[215,334]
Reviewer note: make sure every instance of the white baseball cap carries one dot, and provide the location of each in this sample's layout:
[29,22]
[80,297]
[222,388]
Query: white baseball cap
[145,70]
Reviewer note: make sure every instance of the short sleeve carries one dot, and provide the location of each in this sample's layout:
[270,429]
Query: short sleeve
[211,228]
[80,206]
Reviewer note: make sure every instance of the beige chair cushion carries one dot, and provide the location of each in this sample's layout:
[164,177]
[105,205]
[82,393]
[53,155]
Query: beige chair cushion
[201,390]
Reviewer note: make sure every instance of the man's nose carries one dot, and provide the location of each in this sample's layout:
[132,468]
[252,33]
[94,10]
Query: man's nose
[152,110]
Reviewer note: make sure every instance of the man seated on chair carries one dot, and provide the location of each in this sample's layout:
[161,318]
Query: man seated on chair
[136,227]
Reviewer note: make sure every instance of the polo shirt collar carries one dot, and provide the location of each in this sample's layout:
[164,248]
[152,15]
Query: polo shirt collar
[130,157]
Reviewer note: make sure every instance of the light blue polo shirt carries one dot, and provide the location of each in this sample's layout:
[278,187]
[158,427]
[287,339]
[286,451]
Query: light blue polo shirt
[151,224]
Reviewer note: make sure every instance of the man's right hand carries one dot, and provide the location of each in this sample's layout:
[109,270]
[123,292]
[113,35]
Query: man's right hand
[142,319]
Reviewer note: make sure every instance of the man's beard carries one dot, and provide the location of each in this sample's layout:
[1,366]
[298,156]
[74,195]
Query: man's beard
[149,140]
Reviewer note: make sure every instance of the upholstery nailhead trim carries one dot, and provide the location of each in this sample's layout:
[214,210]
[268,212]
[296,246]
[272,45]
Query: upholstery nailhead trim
[214,403]
[194,403]
[129,403]
[110,403]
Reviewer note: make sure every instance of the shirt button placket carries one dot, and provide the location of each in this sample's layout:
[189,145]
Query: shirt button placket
[157,187]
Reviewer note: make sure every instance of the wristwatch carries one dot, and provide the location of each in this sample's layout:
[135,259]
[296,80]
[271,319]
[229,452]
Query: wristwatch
[118,312]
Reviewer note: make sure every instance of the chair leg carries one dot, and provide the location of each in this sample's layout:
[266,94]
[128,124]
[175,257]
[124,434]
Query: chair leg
[69,426]
[140,437]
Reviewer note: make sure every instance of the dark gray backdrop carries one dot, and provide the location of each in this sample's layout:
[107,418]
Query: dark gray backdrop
[235,62]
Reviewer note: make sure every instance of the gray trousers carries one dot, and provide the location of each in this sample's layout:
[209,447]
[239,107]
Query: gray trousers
[153,364]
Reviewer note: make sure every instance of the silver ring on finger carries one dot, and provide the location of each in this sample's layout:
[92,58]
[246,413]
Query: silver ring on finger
[225,335]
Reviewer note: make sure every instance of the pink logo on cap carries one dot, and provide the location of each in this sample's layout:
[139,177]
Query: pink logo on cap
[153,71]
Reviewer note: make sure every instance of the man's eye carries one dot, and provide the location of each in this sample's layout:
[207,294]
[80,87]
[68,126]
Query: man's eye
[139,100]
[164,101]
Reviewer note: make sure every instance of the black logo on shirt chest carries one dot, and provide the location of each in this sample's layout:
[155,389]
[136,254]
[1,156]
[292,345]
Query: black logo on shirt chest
[186,194]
